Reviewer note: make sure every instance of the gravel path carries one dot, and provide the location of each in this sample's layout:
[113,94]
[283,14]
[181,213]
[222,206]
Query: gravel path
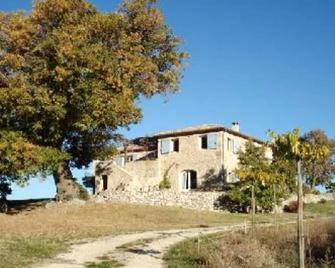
[133,250]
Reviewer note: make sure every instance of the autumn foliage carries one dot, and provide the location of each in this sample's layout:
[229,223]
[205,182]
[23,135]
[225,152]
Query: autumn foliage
[70,76]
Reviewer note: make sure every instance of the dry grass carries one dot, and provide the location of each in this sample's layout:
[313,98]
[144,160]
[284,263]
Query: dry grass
[93,220]
[36,233]
[268,248]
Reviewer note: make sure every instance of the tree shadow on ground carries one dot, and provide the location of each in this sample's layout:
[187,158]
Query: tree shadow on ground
[21,206]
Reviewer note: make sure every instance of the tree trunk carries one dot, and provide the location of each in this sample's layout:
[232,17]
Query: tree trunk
[313,184]
[66,187]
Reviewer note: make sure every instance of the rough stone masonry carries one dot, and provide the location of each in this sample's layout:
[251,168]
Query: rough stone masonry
[191,200]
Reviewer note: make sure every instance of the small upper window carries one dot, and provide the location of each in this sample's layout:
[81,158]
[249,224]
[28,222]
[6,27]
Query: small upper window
[212,141]
[175,145]
[165,146]
[233,145]
[209,141]
[204,142]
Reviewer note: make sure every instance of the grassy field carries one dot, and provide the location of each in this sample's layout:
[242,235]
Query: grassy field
[268,248]
[32,232]
[325,209]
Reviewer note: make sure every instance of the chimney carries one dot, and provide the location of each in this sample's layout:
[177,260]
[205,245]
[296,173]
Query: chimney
[235,126]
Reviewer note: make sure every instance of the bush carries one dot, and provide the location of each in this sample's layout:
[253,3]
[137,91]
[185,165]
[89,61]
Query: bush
[164,184]
[238,198]
[322,201]
[234,201]
[292,207]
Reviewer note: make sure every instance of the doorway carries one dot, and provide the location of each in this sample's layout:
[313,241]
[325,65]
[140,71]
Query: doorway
[189,180]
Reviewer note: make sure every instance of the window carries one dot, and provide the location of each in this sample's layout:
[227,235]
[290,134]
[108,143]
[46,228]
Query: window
[104,182]
[189,180]
[233,145]
[209,141]
[165,146]
[228,144]
[212,141]
[175,145]
[204,142]
[130,158]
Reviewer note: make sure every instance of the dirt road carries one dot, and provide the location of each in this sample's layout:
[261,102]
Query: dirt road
[132,250]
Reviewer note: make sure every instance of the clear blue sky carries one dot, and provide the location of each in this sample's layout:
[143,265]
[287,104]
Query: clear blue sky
[266,64]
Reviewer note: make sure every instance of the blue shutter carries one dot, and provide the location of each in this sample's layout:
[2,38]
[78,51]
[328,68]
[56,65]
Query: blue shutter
[212,141]
[236,146]
[165,146]
[119,161]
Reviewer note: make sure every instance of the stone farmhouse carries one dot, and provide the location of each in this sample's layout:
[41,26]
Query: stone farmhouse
[200,157]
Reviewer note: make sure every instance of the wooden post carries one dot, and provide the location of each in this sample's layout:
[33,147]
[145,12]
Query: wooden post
[253,204]
[300,218]
[275,206]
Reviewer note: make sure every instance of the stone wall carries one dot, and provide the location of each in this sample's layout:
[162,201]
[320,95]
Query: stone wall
[311,198]
[116,175]
[146,171]
[190,157]
[191,200]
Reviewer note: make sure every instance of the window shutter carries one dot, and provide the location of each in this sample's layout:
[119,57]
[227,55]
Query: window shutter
[236,146]
[212,141]
[119,161]
[165,146]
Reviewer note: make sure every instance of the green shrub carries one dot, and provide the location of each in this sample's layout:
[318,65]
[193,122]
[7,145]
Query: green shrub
[164,184]
[238,198]
[322,201]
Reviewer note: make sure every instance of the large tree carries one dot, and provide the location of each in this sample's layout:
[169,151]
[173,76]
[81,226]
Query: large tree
[319,170]
[70,76]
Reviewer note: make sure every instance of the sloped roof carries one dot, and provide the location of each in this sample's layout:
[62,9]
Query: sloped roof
[206,127]
[203,129]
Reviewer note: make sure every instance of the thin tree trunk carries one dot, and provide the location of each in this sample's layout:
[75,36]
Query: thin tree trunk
[313,177]
[66,187]
[300,218]
[313,184]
